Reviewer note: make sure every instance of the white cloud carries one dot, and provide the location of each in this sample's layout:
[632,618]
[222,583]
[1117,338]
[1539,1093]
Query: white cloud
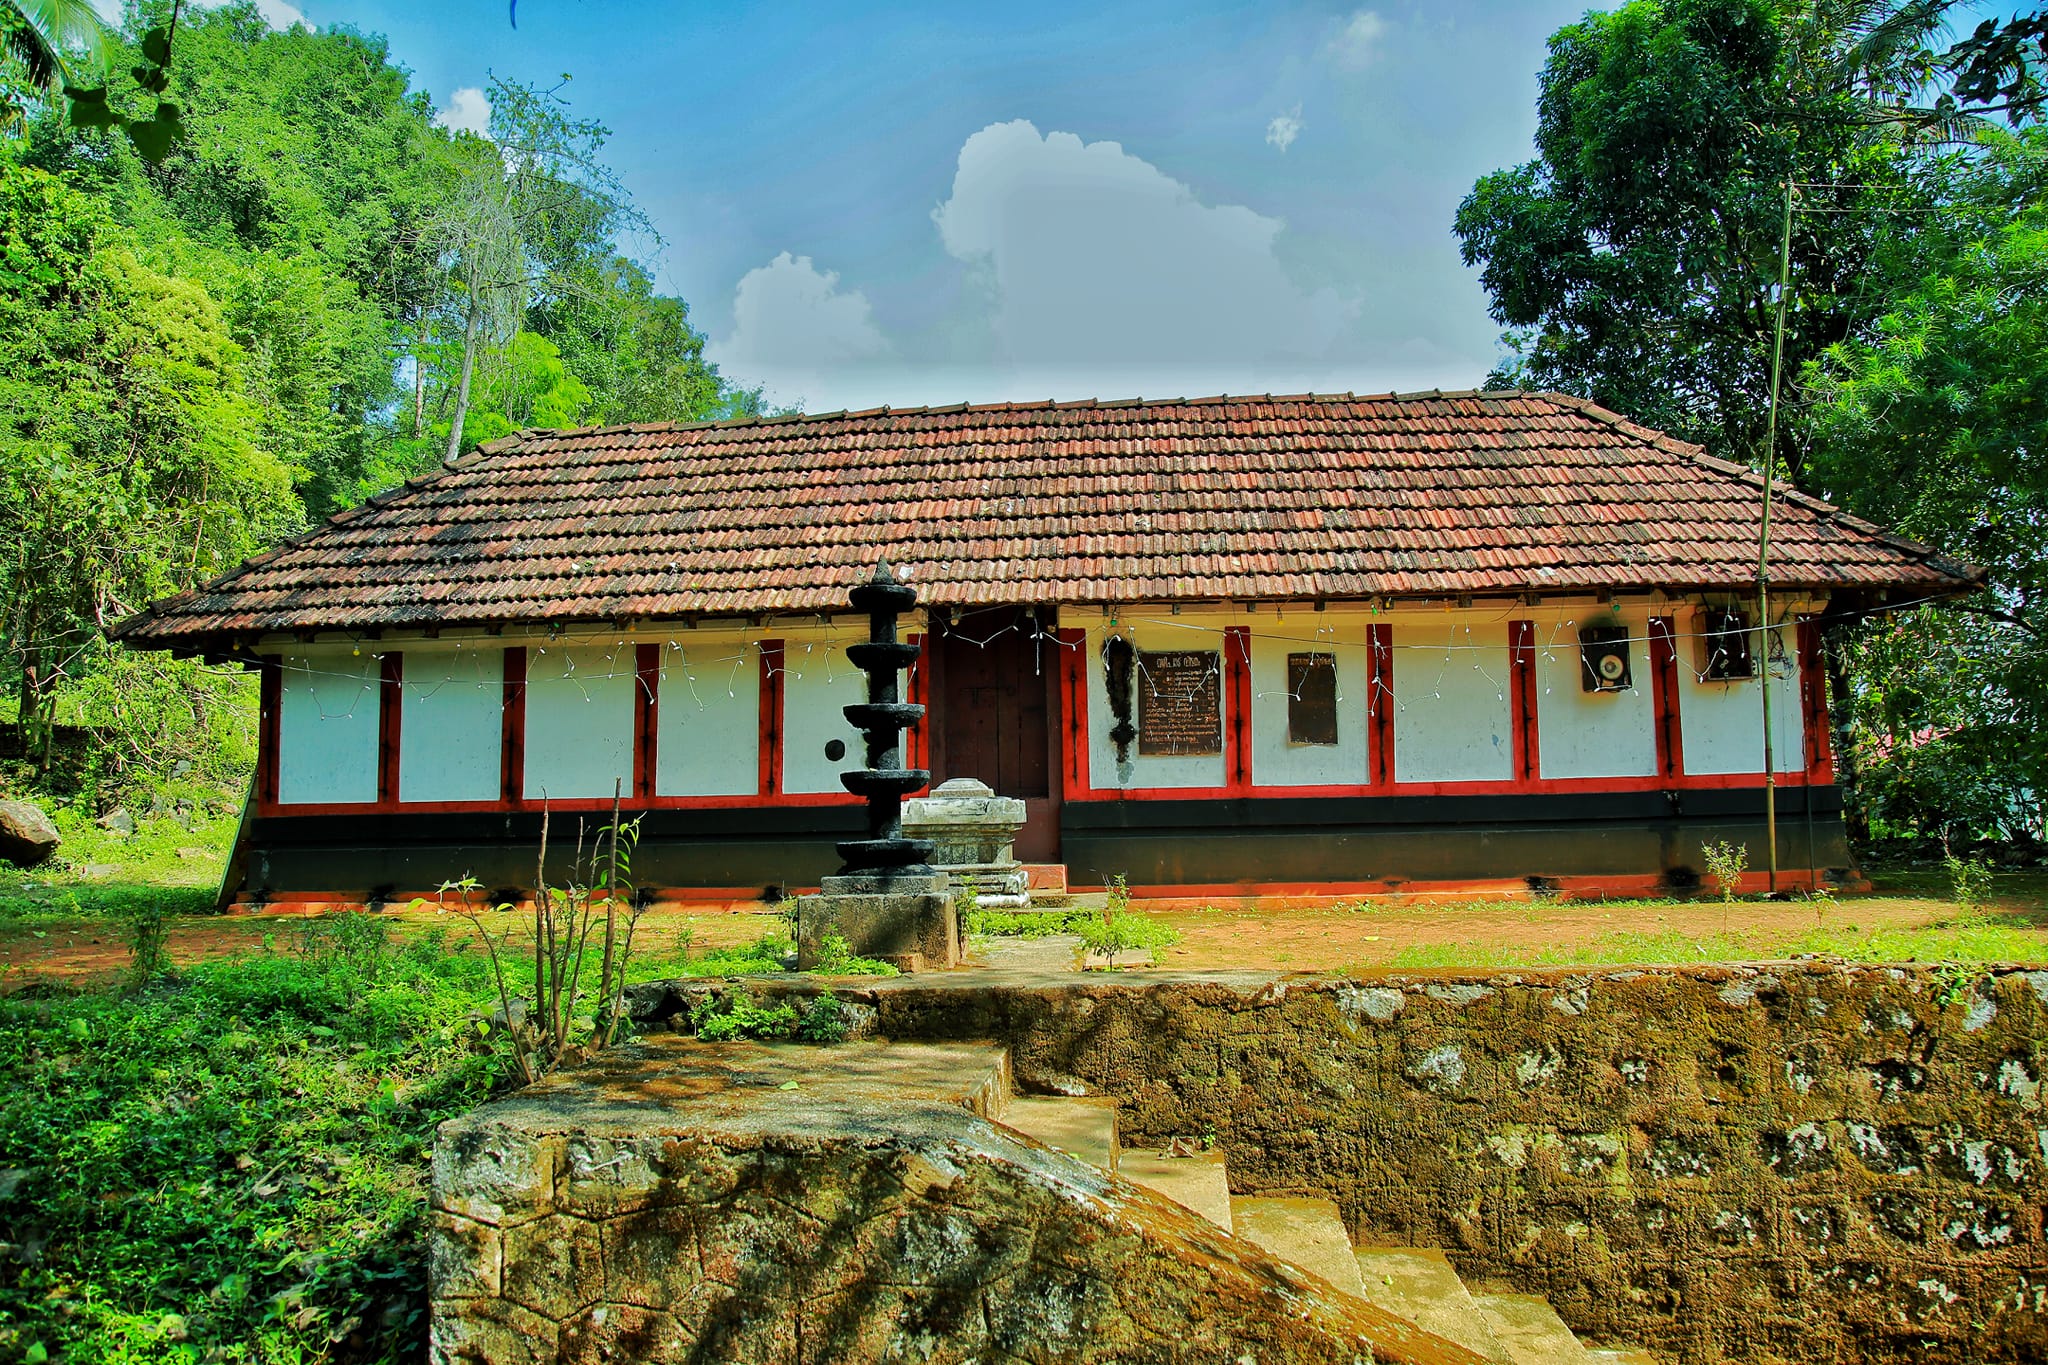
[280,15]
[1098,263]
[798,334]
[468,111]
[1284,128]
[1357,42]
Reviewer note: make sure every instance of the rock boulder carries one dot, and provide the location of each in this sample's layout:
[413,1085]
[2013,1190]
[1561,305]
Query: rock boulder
[27,838]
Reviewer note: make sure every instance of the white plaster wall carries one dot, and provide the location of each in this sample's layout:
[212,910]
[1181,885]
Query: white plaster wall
[817,684]
[327,728]
[1723,723]
[708,729]
[1452,713]
[1275,761]
[452,727]
[1593,734]
[579,720]
[1150,770]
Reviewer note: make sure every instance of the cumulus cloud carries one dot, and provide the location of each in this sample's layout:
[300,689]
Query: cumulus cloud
[1095,258]
[1284,128]
[1357,42]
[797,333]
[468,111]
[280,15]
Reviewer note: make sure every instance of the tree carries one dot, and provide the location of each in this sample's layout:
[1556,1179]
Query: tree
[128,465]
[1935,421]
[1636,258]
[44,38]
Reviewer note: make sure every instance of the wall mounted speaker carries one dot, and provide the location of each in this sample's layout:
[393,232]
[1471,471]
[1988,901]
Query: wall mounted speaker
[1603,659]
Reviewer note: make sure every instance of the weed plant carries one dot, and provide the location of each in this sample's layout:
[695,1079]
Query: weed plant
[232,1166]
[1028,923]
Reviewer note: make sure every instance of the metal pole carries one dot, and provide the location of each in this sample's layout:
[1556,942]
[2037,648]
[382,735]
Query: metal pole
[1763,546]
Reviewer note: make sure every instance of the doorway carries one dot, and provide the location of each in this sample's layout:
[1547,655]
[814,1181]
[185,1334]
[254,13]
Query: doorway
[993,679]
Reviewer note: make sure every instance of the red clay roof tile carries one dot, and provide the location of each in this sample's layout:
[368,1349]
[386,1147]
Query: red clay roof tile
[1040,503]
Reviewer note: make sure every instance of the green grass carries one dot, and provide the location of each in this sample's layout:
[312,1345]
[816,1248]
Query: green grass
[231,1166]
[1977,939]
[1027,923]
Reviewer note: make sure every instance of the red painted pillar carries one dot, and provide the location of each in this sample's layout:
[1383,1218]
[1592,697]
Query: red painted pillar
[390,716]
[646,720]
[1813,697]
[1664,697]
[918,738]
[1522,696]
[270,701]
[771,718]
[513,767]
[1237,685]
[1379,704]
[1072,648]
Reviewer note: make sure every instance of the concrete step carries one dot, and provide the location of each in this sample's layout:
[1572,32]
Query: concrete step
[1621,1355]
[1419,1284]
[1083,1126]
[1197,1182]
[1530,1329]
[1305,1232]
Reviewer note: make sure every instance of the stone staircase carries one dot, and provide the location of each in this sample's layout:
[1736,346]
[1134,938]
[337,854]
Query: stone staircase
[1414,1283]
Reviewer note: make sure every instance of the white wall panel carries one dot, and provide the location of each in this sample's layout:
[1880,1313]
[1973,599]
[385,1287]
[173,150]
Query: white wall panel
[452,728]
[708,730]
[1723,722]
[1593,734]
[1277,762]
[327,728]
[816,684]
[579,720]
[1149,770]
[1452,716]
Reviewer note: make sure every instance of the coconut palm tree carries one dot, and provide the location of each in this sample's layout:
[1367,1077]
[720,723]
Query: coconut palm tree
[48,40]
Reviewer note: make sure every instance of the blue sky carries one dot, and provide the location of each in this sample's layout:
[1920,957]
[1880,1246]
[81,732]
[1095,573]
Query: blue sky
[870,203]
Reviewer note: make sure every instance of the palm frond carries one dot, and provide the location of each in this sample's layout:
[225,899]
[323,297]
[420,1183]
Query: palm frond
[49,36]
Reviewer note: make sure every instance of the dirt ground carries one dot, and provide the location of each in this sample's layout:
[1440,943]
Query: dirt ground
[1242,935]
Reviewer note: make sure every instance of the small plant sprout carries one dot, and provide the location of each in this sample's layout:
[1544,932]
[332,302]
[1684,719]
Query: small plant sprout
[1969,882]
[1726,862]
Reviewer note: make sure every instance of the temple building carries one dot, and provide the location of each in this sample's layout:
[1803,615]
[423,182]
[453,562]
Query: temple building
[1217,646]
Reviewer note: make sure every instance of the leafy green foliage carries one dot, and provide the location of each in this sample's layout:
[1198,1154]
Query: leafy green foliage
[1932,421]
[1969,882]
[1111,932]
[837,958]
[721,1018]
[243,1152]
[1028,923]
[1726,862]
[821,1021]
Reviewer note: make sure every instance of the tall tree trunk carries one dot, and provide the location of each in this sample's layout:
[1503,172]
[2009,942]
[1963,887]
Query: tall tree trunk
[419,380]
[469,324]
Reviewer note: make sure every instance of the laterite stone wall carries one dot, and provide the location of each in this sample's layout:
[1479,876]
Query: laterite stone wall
[1801,1162]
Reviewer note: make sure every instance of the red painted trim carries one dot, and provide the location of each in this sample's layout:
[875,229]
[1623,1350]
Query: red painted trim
[646,720]
[390,716]
[1073,666]
[600,804]
[1167,898]
[1379,705]
[1237,683]
[270,705]
[918,739]
[1522,689]
[1813,697]
[512,762]
[1664,696]
[770,770]
[1546,786]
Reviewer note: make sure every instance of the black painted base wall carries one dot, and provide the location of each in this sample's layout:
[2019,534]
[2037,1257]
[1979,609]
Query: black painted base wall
[1286,841]
[1443,838]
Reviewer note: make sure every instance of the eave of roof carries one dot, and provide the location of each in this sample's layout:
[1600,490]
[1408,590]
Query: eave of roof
[1323,496]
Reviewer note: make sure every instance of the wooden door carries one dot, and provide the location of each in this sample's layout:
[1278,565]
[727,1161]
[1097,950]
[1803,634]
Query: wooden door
[992,682]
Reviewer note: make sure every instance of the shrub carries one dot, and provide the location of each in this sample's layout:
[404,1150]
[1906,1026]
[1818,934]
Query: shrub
[822,1022]
[717,1020]
[836,958]
[1969,880]
[148,929]
[1028,923]
[1726,863]
[1110,934]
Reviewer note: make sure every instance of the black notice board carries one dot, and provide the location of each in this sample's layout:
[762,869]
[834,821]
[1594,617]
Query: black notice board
[1180,702]
[1311,699]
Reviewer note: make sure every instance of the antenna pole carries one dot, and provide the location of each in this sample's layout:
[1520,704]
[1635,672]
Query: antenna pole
[1763,544]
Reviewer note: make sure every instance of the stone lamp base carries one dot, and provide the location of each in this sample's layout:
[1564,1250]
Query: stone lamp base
[906,920]
[971,830]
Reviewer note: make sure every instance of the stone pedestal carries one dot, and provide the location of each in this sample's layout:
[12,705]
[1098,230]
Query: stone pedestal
[971,830]
[906,919]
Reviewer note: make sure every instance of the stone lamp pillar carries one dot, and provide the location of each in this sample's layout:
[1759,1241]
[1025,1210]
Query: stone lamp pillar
[971,830]
[886,902]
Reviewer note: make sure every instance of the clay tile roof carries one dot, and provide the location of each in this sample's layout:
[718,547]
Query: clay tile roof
[1326,496]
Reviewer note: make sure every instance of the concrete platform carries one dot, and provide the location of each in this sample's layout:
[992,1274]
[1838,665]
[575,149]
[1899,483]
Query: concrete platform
[1421,1285]
[1530,1329]
[1083,1127]
[1199,1183]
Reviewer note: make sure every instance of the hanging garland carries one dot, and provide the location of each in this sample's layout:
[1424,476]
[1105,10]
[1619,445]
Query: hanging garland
[1119,673]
